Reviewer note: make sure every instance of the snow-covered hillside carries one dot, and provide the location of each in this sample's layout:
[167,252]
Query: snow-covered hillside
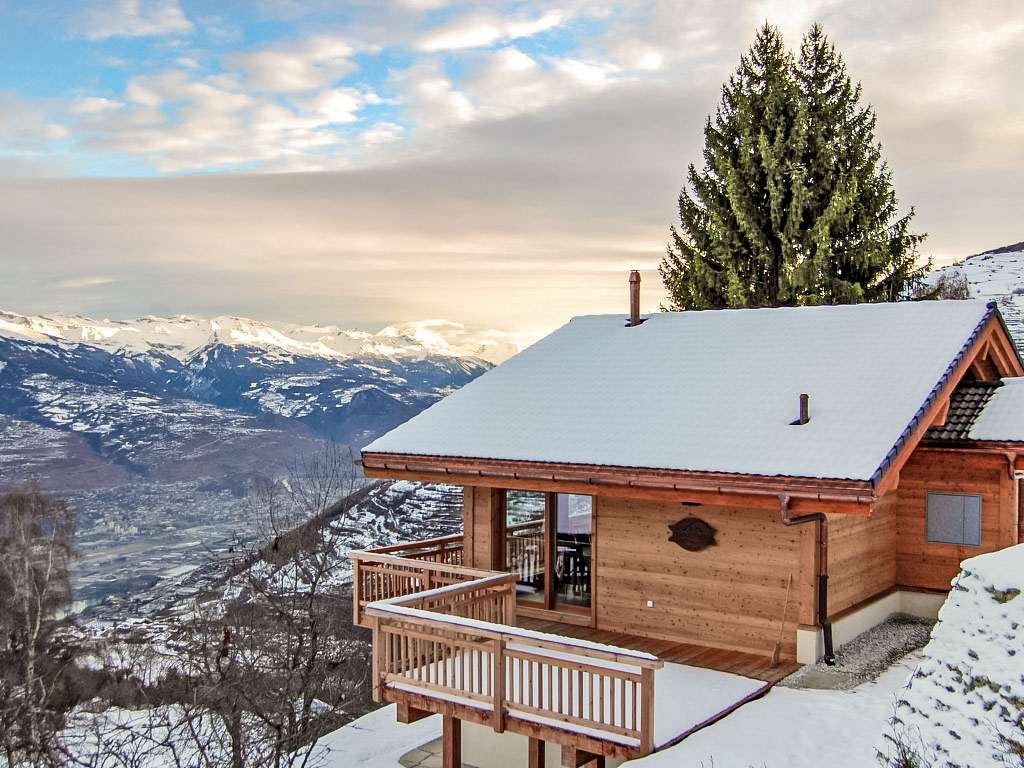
[182,336]
[965,703]
[997,275]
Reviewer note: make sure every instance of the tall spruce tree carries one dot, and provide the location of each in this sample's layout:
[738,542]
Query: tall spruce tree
[794,204]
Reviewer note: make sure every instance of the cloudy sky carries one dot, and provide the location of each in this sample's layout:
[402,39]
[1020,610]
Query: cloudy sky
[497,163]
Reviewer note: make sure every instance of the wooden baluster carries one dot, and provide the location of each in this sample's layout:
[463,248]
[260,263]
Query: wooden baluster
[556,673]
[531,696]
[590,699]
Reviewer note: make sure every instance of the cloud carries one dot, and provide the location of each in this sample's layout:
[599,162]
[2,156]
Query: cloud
[476,30]
[381,133]
[135,18]
[25,124]
[494,129]
[84,282]
[182,122]
[299,66]
[92,104]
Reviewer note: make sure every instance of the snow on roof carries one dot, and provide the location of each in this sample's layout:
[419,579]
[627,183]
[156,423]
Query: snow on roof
[1003,417]
[711,391]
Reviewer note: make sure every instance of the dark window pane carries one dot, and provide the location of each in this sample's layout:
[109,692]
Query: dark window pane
[573,549]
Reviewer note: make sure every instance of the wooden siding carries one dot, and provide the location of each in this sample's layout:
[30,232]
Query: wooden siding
[861,556]
[937,470]
[732,595]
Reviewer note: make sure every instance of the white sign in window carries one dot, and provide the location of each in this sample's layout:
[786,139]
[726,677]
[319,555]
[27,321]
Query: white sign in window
[954,519]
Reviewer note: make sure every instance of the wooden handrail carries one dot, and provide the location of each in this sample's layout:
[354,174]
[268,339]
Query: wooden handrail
[423,544]
[447,632]
[380,576]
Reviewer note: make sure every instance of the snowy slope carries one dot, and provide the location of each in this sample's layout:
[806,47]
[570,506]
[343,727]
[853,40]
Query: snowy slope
[996,275]
[965,704]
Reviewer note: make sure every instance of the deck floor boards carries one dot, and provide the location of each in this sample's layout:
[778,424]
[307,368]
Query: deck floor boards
[736,662]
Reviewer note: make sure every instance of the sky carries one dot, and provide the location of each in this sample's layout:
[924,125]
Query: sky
[500,164]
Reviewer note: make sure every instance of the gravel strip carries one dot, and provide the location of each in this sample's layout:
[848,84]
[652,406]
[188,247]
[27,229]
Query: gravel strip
[866,656]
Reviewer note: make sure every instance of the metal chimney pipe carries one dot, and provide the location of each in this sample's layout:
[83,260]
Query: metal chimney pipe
[804,410]
[634,298]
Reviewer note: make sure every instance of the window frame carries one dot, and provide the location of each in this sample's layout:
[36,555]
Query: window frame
[550,605]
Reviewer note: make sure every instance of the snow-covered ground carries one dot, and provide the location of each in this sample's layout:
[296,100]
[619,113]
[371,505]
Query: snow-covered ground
[377,740]
[795,728]
[965,704]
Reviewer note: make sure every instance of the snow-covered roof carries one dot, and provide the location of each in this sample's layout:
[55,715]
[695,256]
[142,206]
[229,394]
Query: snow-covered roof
[1003,417]
[711,391]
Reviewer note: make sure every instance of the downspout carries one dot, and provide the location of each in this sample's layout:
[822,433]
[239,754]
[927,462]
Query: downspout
[822,521]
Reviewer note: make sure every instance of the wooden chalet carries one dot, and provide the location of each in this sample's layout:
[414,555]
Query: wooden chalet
[736,489]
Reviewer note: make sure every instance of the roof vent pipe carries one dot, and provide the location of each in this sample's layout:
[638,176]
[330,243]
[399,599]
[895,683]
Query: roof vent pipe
[634,299]
[805,411]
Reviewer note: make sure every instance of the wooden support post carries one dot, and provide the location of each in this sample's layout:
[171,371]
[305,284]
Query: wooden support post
[377,664]
[357,592]
[535,752]
[498,699]
[647,711]
[451,742]
[574,757]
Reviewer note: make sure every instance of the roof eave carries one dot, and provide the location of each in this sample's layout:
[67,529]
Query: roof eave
[502,472]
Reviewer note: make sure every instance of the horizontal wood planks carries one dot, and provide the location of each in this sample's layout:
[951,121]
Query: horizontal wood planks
[861,556]
[731,596]
[934,470]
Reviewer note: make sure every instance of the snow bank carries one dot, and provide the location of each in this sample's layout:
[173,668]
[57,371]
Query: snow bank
[965,704]
[794,728]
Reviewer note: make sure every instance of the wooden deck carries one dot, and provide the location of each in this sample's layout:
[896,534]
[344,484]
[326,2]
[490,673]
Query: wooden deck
[748,665]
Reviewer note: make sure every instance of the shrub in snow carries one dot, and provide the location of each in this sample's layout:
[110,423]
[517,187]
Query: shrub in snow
[964,706]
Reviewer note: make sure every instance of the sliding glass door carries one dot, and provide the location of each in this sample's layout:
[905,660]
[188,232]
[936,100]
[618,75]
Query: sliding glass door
[548,544]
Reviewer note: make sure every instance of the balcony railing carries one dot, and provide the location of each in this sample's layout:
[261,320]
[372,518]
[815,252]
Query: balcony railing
[444,636]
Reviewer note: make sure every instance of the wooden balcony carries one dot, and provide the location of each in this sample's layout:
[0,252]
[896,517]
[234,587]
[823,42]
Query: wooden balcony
[445,641]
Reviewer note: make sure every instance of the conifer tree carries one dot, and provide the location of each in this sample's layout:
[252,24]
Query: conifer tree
[794,204]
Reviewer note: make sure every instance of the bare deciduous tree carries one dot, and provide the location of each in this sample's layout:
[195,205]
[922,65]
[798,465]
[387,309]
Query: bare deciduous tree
[35,555]
[272,664]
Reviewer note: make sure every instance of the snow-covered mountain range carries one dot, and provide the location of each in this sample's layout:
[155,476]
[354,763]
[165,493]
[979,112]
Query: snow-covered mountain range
[155,429]
[103,379]
[182,336]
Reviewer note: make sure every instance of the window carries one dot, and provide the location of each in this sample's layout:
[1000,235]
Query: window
[954,519]
[548,546]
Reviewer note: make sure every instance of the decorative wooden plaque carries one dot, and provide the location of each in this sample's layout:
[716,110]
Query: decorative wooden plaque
[692,534]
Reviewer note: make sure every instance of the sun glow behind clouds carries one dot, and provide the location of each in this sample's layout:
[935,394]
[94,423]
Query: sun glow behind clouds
[502,163]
